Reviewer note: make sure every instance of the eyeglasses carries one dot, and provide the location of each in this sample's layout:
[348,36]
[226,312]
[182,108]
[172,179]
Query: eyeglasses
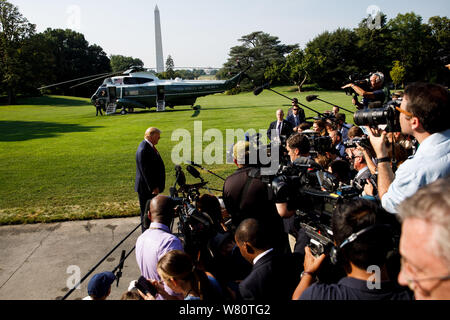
[295,109]
[416,282]
[406,113]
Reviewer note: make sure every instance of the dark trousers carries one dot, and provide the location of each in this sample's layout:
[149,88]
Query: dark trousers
[145,198]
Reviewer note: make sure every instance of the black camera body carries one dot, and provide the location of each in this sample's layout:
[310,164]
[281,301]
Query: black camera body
[317,193]
[388,115]
[362,81]
[363,142]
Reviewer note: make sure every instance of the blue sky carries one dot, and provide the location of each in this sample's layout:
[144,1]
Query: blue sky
[200,33]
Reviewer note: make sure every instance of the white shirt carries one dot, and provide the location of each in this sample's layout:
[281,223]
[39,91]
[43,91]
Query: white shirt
[261,255]
[430,163]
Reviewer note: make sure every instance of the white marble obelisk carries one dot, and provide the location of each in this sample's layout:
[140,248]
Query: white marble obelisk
[158,39]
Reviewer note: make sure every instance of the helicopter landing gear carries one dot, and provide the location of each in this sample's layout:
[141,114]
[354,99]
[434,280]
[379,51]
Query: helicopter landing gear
[123,112]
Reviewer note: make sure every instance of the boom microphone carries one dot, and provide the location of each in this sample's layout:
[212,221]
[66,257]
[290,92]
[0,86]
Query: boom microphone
[258,90]
[311,98]
[194,172]
[194,164]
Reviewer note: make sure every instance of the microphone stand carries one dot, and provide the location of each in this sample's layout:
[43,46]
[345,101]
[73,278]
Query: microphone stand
[320,114]
[335,105]
[199,166]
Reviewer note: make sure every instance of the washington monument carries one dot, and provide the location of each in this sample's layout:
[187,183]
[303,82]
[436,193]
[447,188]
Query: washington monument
[158,39]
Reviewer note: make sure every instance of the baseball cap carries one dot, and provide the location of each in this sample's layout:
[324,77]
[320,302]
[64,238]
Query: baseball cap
[100,283]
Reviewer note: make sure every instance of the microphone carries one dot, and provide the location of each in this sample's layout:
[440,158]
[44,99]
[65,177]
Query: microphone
[311,98]
[258,90]
[194,164]
[194,172]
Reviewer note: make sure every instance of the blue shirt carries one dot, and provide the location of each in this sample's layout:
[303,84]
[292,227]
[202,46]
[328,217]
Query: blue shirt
[379,96]
[430,163]
[151,246]
[355,289]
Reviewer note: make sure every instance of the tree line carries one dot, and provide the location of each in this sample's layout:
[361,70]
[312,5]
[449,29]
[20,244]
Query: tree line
[404,48]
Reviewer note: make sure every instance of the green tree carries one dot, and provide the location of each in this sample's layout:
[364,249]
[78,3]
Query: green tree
[259,50]
[15,31]
[372,46]
[398,74]
[411,44]
[440,33]
[75,58]
[331,57]
[120,63]
[170,65]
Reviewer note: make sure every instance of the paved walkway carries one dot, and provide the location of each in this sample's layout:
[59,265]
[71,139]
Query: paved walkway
[37,262]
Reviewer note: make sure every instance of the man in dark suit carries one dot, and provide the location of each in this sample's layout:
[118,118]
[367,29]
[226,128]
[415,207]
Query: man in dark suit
[297,117]
[281,127]
[150,171]
[273,275]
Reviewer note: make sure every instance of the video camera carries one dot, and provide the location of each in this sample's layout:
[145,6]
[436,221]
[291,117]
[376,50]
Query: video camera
[195,228]
[362,81]
[316,193]
[362,141]
[319,144]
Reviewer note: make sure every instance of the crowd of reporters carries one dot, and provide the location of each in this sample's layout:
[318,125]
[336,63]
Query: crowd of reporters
[385,237]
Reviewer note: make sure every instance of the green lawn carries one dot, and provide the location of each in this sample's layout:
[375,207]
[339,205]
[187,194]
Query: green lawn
[60,162]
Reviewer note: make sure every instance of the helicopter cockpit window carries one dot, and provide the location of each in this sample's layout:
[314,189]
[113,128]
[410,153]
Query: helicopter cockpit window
[134,80]
[107,81]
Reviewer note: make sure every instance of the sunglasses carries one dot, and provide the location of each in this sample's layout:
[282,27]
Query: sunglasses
[406,113]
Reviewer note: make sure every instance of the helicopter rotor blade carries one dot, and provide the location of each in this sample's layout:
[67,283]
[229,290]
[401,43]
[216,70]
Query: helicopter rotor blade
[86,82]
[83,78]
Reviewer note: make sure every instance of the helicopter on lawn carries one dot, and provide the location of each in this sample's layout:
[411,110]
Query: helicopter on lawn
[141,88]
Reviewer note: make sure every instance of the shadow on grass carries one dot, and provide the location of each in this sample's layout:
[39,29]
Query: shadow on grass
[53,101]
[23,131]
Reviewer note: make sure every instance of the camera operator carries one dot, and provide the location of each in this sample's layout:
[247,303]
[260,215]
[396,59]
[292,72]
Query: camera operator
[424,243]
[298,147]
[377,92]
[362,241]
[246,196]
[424,114]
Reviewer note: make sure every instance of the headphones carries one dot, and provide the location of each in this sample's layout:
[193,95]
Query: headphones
[335,251]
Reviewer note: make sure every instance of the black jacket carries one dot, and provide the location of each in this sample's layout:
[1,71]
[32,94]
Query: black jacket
[274,277]
[150,170]
[286,129]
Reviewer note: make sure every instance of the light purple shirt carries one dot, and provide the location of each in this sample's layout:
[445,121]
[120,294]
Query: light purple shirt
[151,246]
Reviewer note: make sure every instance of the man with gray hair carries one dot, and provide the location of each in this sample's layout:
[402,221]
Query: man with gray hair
[150,171]
[425,241]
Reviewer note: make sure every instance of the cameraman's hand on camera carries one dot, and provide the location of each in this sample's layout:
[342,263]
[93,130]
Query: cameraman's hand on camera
[369,189]
[312,264]
[378,142]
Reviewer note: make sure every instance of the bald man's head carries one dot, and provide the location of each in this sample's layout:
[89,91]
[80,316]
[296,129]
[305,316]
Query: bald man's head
[253,232]
[162,209]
